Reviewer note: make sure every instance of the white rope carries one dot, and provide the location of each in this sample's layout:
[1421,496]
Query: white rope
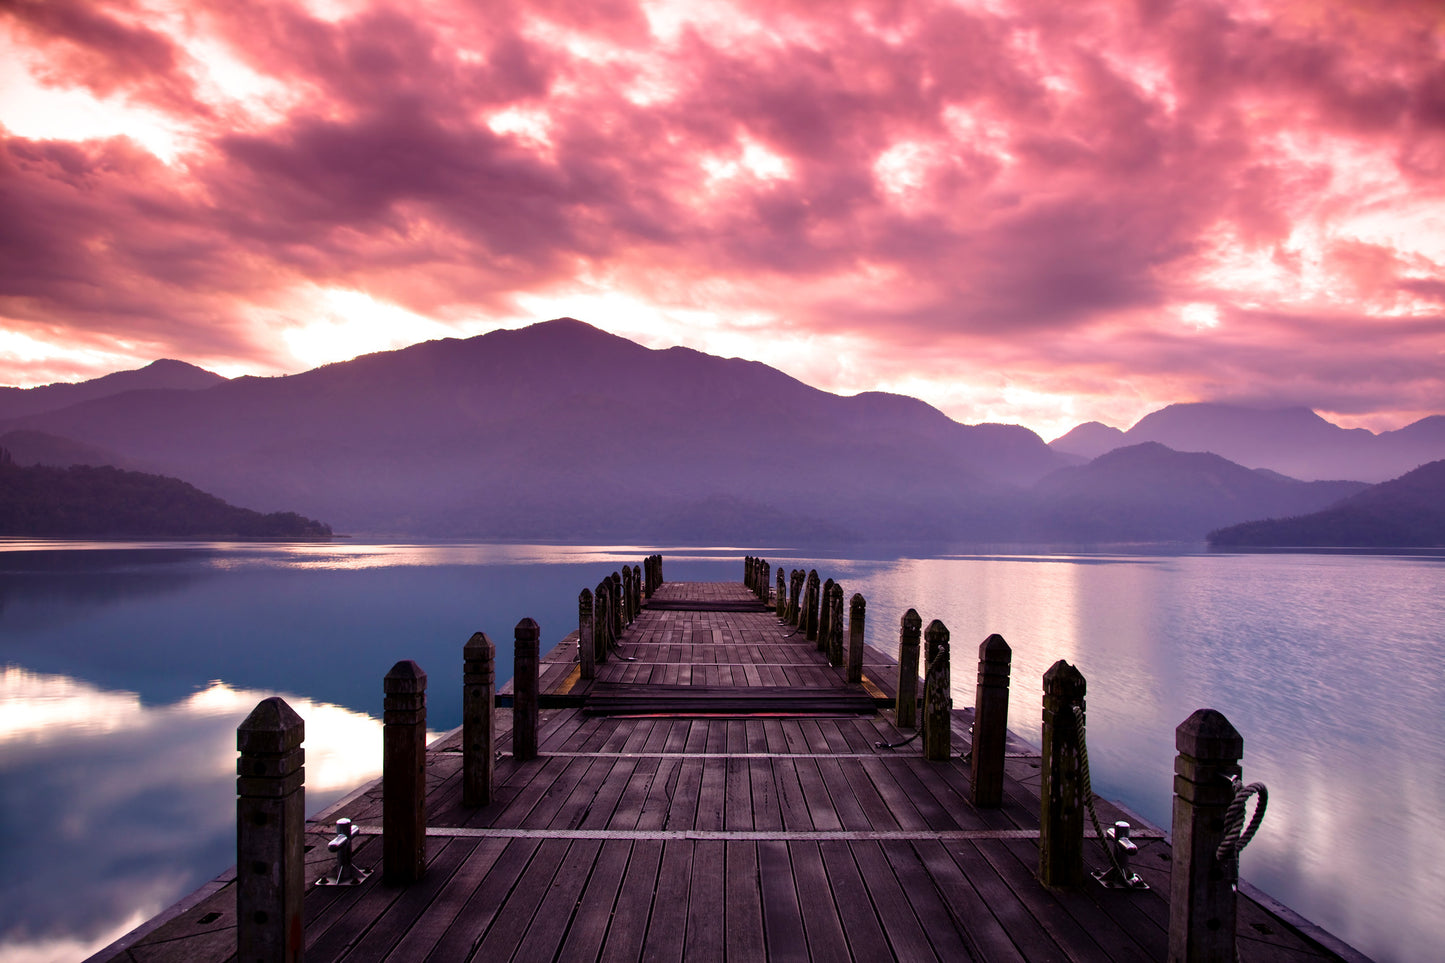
[1089,795]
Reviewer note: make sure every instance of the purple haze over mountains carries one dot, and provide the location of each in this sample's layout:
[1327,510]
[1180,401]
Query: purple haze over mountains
[560,430]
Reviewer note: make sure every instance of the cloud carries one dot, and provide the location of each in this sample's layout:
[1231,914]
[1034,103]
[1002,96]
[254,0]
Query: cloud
[1044,187]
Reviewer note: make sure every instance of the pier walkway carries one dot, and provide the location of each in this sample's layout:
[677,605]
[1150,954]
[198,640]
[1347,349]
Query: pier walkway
[720,793]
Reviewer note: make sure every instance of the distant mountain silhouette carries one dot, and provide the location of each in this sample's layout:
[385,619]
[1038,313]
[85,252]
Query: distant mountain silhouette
[1294,441]
[1406,512]
[29,447]
[94,502]
[1089,440]
[164,374]
[1148,492]
[560,430]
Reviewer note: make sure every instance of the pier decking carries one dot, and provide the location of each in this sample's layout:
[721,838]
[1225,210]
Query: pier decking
[720,793]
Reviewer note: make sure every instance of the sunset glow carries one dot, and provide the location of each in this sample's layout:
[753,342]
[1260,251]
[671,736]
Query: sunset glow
[1021,212]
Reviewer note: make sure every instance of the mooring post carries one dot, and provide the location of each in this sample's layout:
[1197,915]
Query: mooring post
[660,579]
[835,626]
[636,592]
[856,609]
[905,706]
[748,571]
[1061,794]
[990,722]
[649,577]
[937,700]
[270,827]
[765,582]
[795,589]
[403,774]
[615,606]
[586,648]
[479,697]
[602,620]
[810,605]
[780,599]
[524,691]
[825,613]
[1202,895]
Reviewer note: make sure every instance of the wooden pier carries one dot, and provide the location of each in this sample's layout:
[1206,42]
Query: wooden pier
[717,790]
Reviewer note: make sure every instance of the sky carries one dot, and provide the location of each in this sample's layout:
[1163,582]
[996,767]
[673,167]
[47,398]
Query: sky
[1034,213]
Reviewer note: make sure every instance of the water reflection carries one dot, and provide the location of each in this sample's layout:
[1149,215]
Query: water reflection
[116,748]
[111,810]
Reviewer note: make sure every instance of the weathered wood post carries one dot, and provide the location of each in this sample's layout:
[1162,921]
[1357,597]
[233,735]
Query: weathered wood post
[856,609]
[602,620]
[479,698]
[660,579]
[586,648]
[1202,896]
[765,582]
[403,774]
[615,606]
[636,592]
[795,590]
[1061,833]
[825,613]
[990,722]
[937,699]
[835,626]
[748,571]
[525,691]
[810,605]
[649,577]
[780,600]
[905,706]
[270,827]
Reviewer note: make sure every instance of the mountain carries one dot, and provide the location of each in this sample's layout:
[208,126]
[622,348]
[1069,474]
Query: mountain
[29,447]
[1089,440]
[563,431]
[92,502]
[1149,492]
[1294,441]
[158,375]
[1406,512]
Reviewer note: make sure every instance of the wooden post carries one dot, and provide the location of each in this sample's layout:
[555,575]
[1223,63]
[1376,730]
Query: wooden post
[270,827]
[905,706]
[403,774]
[636,592]
[615,606]
[835,626]
[795,589]
[810,606]
[937,698]
[479,698]
[780,600]
[524,691]
[825,613]
[856,608]
[748,571]
[1202,897]
[1061,833]
[586,648]
[765,582]
[990,722]
[602,620]
[649,576]
[660,579]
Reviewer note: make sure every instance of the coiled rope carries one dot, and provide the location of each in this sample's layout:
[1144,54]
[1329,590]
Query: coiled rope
[1236,834]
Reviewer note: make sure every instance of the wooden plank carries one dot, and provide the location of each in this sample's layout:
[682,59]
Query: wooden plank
[706,912]
[634,905]
[783,929]
[667,929]
[552,917]
[827,942]
[595,909]
[861,926]
[743,933]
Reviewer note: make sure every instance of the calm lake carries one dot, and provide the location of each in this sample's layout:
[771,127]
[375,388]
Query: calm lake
[125,668]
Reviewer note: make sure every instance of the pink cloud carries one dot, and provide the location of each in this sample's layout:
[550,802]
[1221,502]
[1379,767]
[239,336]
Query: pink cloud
[1046,188]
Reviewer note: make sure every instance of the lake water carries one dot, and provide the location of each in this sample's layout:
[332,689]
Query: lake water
[125,668]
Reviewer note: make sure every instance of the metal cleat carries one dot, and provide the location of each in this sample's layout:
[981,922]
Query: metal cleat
[1120,876]
[346,874]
